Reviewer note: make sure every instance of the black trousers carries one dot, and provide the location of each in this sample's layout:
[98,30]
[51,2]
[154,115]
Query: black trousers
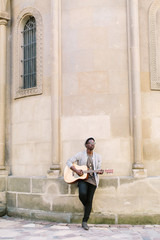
[86,193]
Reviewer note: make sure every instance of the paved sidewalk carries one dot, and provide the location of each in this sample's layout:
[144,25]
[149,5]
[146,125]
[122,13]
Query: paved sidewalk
[21,229]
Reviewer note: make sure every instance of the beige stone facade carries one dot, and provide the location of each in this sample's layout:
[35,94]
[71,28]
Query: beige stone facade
[97,75]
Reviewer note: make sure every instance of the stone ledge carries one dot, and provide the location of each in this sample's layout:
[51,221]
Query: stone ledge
[139,219]
[63,217]
[95,218]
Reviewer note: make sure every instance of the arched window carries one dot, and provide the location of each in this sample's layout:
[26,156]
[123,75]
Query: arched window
[29,54]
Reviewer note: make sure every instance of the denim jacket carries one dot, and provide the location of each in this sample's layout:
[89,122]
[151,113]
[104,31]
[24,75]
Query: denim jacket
[81,159]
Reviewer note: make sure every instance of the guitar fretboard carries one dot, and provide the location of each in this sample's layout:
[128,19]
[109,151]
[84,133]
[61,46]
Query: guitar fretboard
[92,171]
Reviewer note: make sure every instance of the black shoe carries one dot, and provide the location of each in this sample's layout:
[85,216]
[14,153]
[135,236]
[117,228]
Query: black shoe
[85,226]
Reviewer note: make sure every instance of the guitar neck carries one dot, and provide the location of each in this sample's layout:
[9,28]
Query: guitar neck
[91,171]
[95,171]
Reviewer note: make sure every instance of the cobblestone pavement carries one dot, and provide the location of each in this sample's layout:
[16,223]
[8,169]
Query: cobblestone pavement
[21,229]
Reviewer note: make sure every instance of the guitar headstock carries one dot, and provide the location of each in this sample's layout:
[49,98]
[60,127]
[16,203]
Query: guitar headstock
[109,171]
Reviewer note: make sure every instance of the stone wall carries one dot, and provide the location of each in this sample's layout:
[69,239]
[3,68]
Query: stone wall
[3,185]
[87,77]
[30,122]
[150,98]
[117,200]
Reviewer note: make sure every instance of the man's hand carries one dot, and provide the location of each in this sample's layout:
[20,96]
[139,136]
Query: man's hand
[79,172]
[101,171]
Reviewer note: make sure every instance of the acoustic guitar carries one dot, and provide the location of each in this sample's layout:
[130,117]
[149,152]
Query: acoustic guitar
[71,177]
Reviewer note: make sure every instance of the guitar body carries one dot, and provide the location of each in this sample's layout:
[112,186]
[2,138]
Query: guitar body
[71,177]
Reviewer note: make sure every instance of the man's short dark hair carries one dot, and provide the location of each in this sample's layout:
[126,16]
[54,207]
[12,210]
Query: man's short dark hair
[91,138]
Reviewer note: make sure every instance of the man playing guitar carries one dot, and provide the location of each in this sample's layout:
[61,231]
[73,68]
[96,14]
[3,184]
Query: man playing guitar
[87,186]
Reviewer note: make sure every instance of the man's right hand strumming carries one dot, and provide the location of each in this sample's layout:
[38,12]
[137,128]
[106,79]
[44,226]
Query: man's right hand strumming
[78,171]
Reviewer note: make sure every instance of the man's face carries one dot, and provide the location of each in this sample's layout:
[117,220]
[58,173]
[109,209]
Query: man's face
[90,145]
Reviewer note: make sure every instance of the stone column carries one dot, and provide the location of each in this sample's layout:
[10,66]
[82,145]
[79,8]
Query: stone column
[135,87]
[3,54]
[55,89]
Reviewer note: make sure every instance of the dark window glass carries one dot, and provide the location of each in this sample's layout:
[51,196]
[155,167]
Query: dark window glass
[29,54]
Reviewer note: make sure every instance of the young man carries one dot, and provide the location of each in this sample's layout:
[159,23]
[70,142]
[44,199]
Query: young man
[88,186]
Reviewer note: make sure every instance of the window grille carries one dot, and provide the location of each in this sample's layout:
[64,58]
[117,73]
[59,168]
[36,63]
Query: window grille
[29,54]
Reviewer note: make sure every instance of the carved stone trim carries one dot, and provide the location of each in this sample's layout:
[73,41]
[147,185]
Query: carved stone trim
[3,22]
[4,15]
[154,53]
[18,40]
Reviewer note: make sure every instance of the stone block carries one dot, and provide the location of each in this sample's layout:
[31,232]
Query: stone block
[150,107]
[105,183]
[71,4]
[43,185]
[25,113]
[51,216]
[76,21]
[19,133]
[39,131]
[120,127]
[2,184]
[155,128]
[42,154]
[23,154]
[115,154]
[70,84]
[99,104]
[2,198]
[110,14]
[99,218]
[74,188]
[63,203]
[82,58]
[39,215]
[84,126]
[15,212]
[151,150]
[95,218]
[110,59]
[2,211]
[30,169]
[76,217]
[119,106]
[36,202]
[127,180]
[153,166]
[118,82]
[53,173]
[11,200]
[33,131]
[86,80]
[145,81]
[116,33]
[139,219]
[146,128]
[17,184]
